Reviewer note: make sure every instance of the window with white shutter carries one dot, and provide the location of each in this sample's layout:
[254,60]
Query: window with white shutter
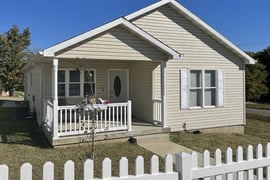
[201,88]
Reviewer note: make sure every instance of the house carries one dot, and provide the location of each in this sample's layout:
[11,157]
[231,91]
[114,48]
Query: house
[161,65]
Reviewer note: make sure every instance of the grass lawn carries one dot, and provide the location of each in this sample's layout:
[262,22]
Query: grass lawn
[21,141]
[255,132]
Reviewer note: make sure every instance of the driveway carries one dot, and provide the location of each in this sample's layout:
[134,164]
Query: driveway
[262,112]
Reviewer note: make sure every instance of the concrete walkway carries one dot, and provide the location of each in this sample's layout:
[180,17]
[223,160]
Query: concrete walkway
[263,112]
[160,145]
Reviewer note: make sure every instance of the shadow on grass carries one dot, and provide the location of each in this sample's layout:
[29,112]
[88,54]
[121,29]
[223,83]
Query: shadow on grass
[16,129]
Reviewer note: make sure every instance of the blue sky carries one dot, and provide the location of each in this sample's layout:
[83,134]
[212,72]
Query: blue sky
[246,23]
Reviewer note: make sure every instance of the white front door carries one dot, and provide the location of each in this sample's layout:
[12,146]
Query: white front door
[118,85]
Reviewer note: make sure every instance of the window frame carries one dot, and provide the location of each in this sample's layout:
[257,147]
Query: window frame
[67,82]
[202,89]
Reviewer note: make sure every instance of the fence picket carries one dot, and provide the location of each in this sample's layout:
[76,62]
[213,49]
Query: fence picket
[69,170]
[106,168]
[250,172]
[168,163]
[267,150]
[139,166]
[239,159]
[259,155]
[229,161]
[3,172]
[186,166]
[88,171]
[194,160]
[154,166]
[123,167]
[206,161]
[26,171]
[48,171]
[218,162]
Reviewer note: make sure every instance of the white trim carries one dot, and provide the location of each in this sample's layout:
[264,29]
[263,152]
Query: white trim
[50,52]
[151,39]
[147,9]
[213,32]
[164,94]
[197,20]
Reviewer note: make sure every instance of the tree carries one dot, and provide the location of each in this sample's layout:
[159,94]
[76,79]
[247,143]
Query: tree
[256,78]
[13,50]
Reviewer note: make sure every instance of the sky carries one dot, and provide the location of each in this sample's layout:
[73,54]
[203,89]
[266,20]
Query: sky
[246,23]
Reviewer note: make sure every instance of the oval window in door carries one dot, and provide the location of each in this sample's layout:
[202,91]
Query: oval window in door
[117,86]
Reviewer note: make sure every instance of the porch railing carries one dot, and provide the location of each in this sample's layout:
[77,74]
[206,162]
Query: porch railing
[74,120]
[157,111]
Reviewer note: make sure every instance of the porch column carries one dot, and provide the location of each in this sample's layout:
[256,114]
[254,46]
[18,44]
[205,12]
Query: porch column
[55,98]
[164,92]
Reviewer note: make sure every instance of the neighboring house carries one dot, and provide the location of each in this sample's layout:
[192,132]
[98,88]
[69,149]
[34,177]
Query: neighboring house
[175,71]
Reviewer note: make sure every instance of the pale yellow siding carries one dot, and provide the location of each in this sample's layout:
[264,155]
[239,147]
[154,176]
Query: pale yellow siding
[141,88]
[116,44]
[200,51]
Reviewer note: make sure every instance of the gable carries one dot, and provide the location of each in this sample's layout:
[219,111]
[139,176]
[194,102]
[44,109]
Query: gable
[115,44]
[174,29]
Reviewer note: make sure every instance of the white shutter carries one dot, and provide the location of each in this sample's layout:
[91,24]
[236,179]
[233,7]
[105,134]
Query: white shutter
[184,88]
[220,88]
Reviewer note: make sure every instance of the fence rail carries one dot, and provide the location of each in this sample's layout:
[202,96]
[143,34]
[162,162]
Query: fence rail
[248,168]
[187,167]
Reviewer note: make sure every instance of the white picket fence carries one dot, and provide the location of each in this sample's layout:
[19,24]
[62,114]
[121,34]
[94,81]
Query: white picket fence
[248,168]
[187,167]
[69,170]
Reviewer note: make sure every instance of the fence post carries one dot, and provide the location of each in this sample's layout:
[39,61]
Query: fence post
[129,116]
[183,165]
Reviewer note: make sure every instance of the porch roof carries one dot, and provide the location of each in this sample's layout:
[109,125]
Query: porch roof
[51,51]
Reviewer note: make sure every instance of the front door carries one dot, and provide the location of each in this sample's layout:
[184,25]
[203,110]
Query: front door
[118,86]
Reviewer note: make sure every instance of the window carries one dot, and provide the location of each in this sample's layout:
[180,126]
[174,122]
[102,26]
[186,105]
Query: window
[61,83]
[89,86]
[70,83]
[74,83]
[202,88]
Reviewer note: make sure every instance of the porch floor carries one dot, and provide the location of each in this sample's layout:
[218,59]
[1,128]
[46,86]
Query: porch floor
[139,128]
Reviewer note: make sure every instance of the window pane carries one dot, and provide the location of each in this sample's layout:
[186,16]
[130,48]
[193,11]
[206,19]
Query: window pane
[210,97]
[61,76]
[61,89]
[74,76]
[89,76]
[195,78]
[89,89]
[210,79]
[195,97]
[74,89]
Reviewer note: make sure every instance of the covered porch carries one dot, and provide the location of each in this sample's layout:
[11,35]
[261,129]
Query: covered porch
[117,62]
[140,98]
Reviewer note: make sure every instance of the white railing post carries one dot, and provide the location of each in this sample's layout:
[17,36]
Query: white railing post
[183,165]
[55,98]
[129,116]
[164,93]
